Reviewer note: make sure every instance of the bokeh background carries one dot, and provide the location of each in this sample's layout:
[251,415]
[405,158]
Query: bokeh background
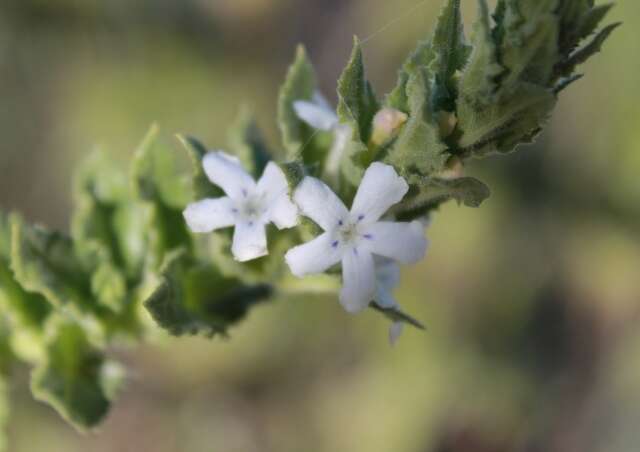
[532,301]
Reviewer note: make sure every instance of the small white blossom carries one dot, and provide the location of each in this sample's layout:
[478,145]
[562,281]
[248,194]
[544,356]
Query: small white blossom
[319,115]
[249,206]
[354,237]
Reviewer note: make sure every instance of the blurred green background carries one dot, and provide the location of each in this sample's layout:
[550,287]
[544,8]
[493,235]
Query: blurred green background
[532,301]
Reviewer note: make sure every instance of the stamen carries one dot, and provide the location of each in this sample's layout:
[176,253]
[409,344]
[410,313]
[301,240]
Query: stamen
[368,236]
[335,244]
[360,217]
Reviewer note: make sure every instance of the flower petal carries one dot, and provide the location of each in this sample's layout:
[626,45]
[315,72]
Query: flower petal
[318,202]
[402,242]
[317,116]
[387,272]
[381,188]
[274,188]
[319,99]
[313,257]
[358,280]
[209,214]
[395,330]
[249,241]
[225,171]
[283,213]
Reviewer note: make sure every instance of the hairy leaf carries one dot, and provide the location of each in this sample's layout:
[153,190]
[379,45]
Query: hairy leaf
[357,105]
[74,375]
[165,193]
[201,185]
[247,143]
[426,194]
[421,57]
[581,55]
[450,55]
[25,310]
[44,262]
[301,142]
[106,224]
[195,298]
[479,81]
[418,148]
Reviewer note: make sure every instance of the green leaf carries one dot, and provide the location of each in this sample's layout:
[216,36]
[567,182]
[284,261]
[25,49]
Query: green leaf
[44,262]
[500,126]
[195,298]
[420,57]
[418,148]
[25,310]
[426,194]
[581,55]
[529,49]
[479,81]
[590,21]
[357,106]
[158,183]
[301,142]
[106,225]
[201,185]
[247,143]
[450,55]
[109,287]
[73,377]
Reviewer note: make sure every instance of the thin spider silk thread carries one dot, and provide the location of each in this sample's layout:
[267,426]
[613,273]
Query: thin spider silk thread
[362,43]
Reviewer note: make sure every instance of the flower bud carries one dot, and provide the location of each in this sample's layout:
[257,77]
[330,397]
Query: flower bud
[386,124]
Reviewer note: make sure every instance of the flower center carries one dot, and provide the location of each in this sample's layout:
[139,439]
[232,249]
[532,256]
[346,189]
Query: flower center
[251,209]
[348,232]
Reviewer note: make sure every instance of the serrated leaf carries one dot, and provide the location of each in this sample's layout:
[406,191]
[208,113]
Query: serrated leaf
[499,127]
[581,55]
[195,298]
[426,194]
[71,379]
[590,21]
[529,49]
[247,143]
[300,141]
[450,55]
[357,106]
[106,224]
[25,310]
[420,57]
[44,262]
[201,185]
[418,148]
[158,183]
[479,81]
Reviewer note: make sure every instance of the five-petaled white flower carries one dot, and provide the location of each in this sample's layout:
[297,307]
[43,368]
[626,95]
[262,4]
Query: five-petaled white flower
[319,115]
[250,206]
[354,237]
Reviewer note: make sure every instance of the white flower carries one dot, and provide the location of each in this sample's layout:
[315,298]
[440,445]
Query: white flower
[319,115]
[387,279]
[354,237]
[249,206]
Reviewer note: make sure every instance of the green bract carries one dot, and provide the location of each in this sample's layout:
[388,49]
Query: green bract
[131,262]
